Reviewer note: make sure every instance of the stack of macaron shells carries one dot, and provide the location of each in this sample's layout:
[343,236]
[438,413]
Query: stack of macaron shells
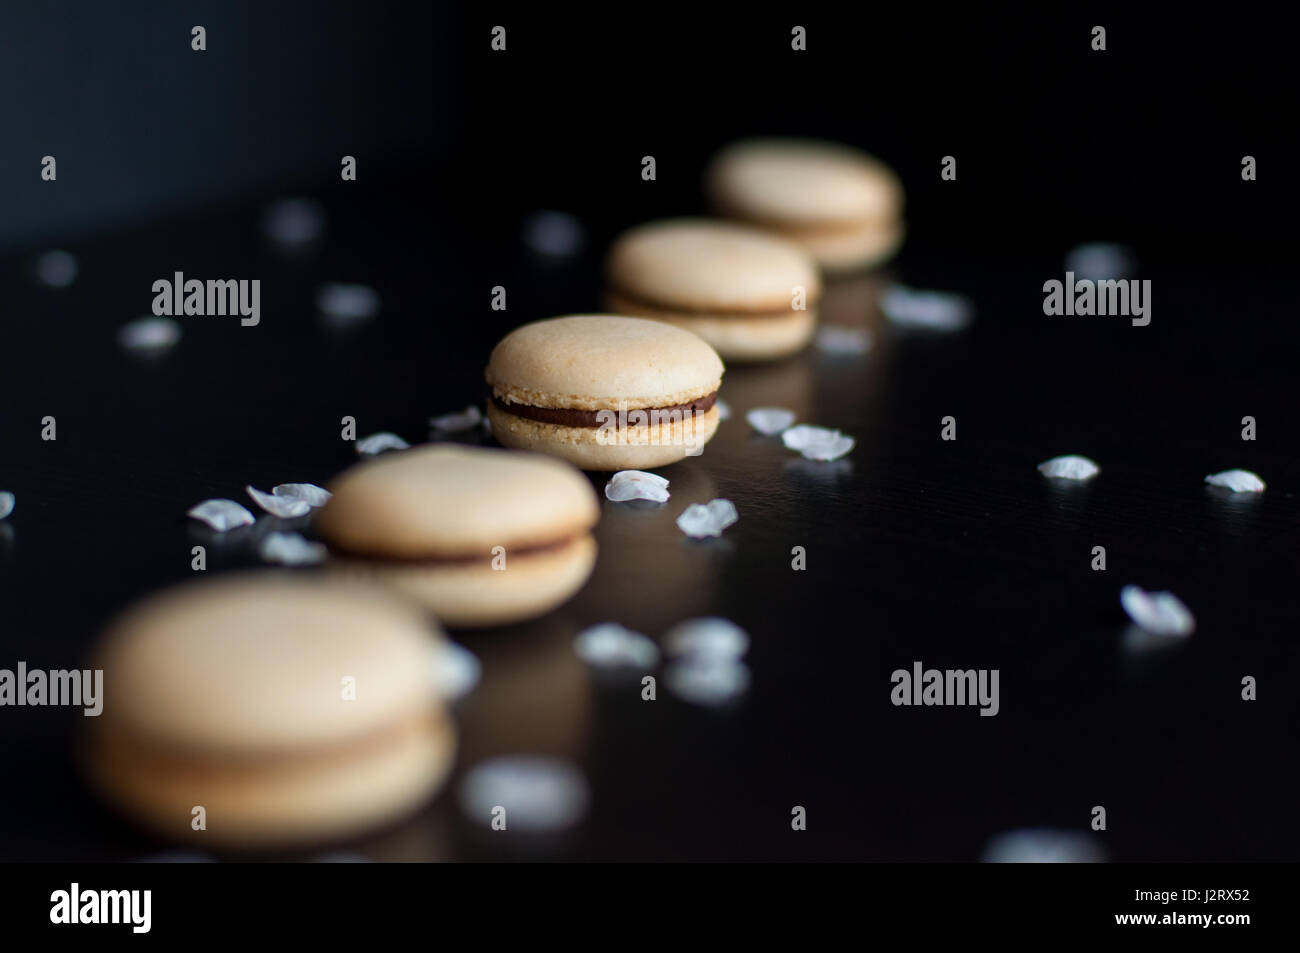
[841,204]
[604,392]
[753,296]
[233,696]
[477,535]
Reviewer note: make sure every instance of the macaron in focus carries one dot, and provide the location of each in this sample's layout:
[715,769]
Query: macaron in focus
[604,392]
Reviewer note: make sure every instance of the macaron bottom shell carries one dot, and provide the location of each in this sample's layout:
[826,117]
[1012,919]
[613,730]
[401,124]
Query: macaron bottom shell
[736,337]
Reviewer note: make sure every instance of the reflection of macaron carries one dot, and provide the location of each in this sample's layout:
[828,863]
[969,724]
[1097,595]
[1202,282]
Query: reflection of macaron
[480,536]
[607,393]
[289,710]
[751,295]
[841,204]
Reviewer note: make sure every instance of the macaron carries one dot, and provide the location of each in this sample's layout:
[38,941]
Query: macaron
[289,710]
[604,392]
[841,204]
[753,296]
[478,535]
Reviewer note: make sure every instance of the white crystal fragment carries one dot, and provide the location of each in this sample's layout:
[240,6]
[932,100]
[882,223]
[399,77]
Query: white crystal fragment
[1160,613]
[707,682]
[770,420]
[636,485]
[817,443]
[1100,261]
[707,519]
[310,493]
[7,501]
[557,234]
[292,549]
[456,670]
[538,793]
[1238,481]
[931,310]
[149,334]
[380,442]
[610,645]
[710,638]
[222,515]
[56,269]
[724,410]
[346,303]
[458,422]
[841,340]
[1042,846]
[1069,467]
[284,507]
[294,221]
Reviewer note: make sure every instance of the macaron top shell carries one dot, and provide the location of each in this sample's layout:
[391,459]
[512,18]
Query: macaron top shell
[255,664]
[599,362]
[449,501]
[700,265]
[803,183]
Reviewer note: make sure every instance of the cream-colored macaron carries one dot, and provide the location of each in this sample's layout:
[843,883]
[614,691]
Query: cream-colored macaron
[841,204]
[289,710]
[479,535]
[751,295]
[604,392]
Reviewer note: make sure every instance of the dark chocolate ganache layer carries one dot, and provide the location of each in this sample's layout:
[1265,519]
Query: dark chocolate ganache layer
[566,417]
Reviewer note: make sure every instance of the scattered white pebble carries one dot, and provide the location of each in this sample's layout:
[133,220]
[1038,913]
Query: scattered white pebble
[817,443]
[610,645]
[557,234]
[285,507]
[1042,846]
[149,334]
[312,494]
[7,501]
[846,341]
[709,638]
[222,515]
[294,221]
[56,269]
[707,682]
[456,670]
[1160,613]
[724,410]
[1238,481]
[932,310]
[707,519]
[1100,261]
[1070,467]
[379,442]
[537,793]
[636,485]
[459,422]
[770,420]
[346,304]
[292,549]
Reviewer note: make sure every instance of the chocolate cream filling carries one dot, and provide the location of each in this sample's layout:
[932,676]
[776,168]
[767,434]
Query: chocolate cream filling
[431,561]
[567,417]
[650,307]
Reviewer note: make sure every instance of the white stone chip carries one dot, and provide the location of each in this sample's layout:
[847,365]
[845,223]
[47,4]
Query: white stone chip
[724,410]
[610,645]
[538,793]
[1160,613]
[222,515]
[312,494]
[845,341]
[707,519]
[294,221]
[458,422]
[817,443]
[930,310]
[1101,261]
[7,502]
[1070,467]
[149,334]
[456,670]
[557,234]
[380,442]
[710,638]
[284,507]
[770,421]
[1238,481]
[292,549]
[1042,846]
[707,682]
[346,303]
[56,269]
[636,485]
